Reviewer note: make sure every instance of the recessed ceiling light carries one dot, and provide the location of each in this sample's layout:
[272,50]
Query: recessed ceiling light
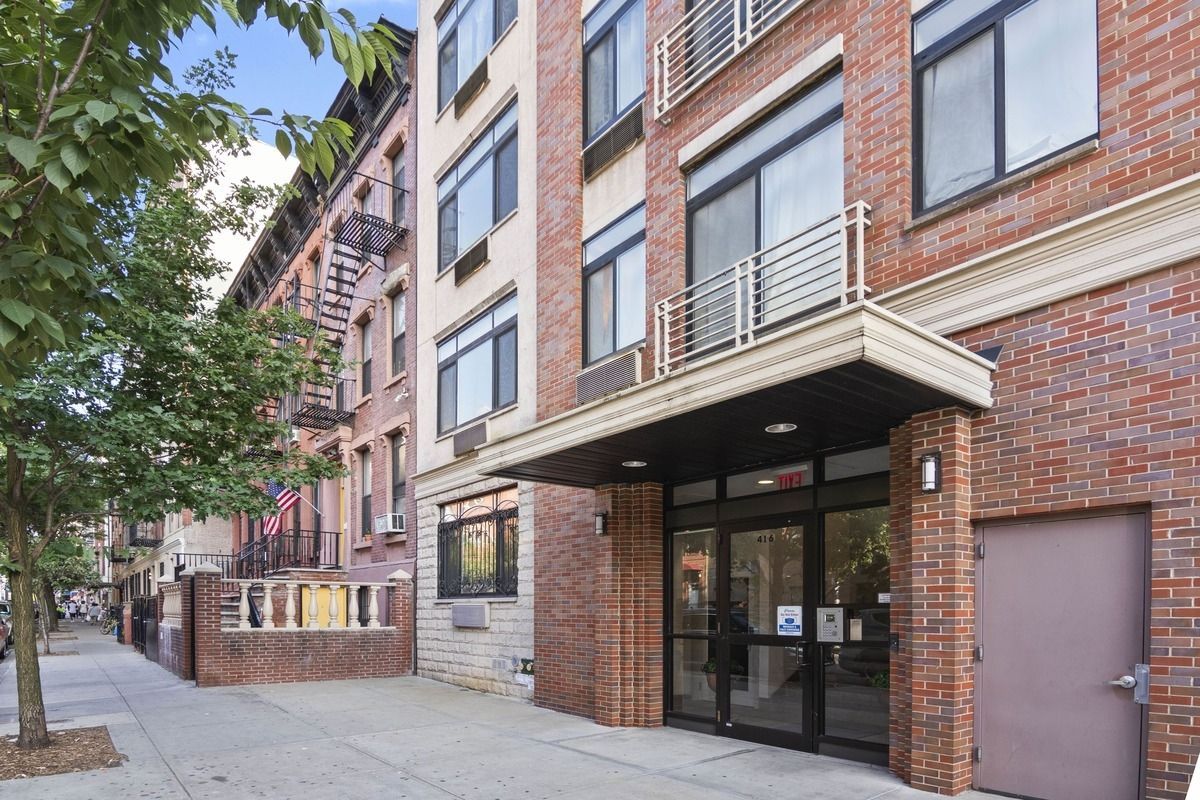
[766,482]
[633,463]
[781,427]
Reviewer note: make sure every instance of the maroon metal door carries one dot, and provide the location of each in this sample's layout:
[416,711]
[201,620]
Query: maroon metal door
[1060,613]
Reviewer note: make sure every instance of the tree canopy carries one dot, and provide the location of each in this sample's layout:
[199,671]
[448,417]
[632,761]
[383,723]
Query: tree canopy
[89,113]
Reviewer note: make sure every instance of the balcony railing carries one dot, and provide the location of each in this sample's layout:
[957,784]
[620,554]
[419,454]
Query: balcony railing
[791,279]
[143,534]
[226,561]
[294,549]
[707,38]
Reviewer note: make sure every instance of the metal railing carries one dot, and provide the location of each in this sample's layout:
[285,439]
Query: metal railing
[296,605]
[293,549]
[144,619]
[804,273]
[477,552]
[707,38]
[226,561]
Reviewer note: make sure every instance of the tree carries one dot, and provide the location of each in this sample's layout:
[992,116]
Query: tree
[153,405]
[89,112]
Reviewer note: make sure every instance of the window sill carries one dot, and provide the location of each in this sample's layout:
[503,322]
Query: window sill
[364,270]
[446,601]
[395,379]
[361,546]
[449,268]
[993,190]
[499,412]
[362,401]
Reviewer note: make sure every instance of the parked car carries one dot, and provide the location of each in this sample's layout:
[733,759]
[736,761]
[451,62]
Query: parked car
[6,618]
[5,637]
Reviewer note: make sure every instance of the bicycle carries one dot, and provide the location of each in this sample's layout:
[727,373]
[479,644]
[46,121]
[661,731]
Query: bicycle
[108,623]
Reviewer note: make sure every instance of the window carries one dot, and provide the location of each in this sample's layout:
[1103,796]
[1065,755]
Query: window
[776,191]
[1000,85]
[364,488]
[398,473]
[398,195]
[480,190]
[465,35]
[399,309]
[364,340]
[477,546]
[614,56]
[614,286]
[477,367]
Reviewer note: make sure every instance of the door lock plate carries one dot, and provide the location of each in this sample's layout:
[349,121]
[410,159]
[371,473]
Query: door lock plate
[1141,690]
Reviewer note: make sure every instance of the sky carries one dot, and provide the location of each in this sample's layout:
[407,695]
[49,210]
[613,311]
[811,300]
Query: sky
[274,70]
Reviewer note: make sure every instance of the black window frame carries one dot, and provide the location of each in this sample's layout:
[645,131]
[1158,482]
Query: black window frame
[595,41]
[447,29]
[399,203]
[606,259]
[488,159]
[990,19]
[397,454]
[399,356]
[451,361]
[753,167]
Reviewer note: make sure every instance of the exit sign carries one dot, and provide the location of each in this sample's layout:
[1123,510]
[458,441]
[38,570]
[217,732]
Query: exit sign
[793,480]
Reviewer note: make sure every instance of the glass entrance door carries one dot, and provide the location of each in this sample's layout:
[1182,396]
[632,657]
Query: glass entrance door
[764,642]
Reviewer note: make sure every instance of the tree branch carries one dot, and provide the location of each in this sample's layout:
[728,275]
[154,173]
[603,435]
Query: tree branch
[65,85]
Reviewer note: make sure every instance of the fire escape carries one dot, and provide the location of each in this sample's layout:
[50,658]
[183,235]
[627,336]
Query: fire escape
[359,229]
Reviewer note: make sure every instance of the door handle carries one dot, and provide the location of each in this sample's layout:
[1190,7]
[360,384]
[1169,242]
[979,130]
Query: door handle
[1125,682]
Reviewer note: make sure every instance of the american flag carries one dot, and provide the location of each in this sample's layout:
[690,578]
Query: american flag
[285,498]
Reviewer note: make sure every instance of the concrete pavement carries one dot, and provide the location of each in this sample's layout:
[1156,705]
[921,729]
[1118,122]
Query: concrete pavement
[388,737]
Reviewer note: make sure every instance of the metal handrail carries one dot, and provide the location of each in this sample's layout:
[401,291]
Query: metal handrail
[779,284]
[705,39]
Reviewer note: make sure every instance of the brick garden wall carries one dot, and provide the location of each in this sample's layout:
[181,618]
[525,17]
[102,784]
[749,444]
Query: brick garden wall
[226,657]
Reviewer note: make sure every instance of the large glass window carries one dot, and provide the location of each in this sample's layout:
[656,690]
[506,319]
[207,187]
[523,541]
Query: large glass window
[477,367]
[399,475]
[398,195]
[614,55]
[399,323]
[477,546]
[615,286]
[365,344]
[465,35]
[775,191]
[480,190]
[1000,85]
[364,488]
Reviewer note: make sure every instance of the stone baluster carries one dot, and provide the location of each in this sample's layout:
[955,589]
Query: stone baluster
[373,608]
[352,608]
[289,607]
[244,608]
[313,609]
[268,608]
[334,590]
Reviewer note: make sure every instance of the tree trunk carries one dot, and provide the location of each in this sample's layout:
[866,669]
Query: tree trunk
[50,610]
[32,711]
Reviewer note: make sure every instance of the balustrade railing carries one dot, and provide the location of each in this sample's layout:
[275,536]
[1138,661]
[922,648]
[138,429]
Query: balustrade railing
[710,35]
[293,549]
[308,605]
[172,607]
[226,561]
[818,267]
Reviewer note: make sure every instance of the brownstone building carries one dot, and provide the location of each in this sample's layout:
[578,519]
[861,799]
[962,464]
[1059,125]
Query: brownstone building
[859,410]
[339,252]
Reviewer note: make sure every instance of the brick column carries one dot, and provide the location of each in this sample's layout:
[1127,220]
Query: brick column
[401,611]
[903,466]
[205,597]
[188,636]
[627,660]
[127,623]
[942,607]
[158,608]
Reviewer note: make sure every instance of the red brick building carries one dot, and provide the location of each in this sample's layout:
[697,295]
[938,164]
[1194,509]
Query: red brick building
[865,367]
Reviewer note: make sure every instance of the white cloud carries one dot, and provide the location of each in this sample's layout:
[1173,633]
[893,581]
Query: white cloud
[263,164]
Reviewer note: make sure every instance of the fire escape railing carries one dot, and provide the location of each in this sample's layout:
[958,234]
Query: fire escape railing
[818,267]
[710,35]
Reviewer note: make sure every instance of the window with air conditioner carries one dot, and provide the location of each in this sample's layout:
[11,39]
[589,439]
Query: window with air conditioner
[614,287]
[465,34]
[477,367]
[614,57]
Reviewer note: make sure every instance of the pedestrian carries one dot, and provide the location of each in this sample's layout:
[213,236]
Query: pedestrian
[72,607]
[94,613]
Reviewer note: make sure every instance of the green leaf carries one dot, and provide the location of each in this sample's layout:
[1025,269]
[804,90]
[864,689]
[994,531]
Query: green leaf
[311,36]
[24,151]
[283,143]
[357,69]
[57,174]
[100,111]
[75,158]
[16,311]
[324,154]
[127,97]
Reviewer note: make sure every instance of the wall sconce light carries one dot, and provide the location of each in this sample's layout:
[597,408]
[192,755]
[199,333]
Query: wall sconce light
[931,472]
[602,523]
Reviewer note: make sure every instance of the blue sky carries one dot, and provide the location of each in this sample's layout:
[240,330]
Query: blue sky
[274,69]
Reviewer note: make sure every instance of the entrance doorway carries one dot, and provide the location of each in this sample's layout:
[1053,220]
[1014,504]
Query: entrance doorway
[778,628]
[1061,608]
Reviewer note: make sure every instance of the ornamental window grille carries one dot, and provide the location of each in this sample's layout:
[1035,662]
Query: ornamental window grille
[477,552]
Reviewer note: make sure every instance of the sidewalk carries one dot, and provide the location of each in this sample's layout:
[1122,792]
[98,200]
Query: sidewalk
[388,737]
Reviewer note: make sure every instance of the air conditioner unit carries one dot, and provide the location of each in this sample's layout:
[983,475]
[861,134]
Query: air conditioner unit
[293,435]
[389,523]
